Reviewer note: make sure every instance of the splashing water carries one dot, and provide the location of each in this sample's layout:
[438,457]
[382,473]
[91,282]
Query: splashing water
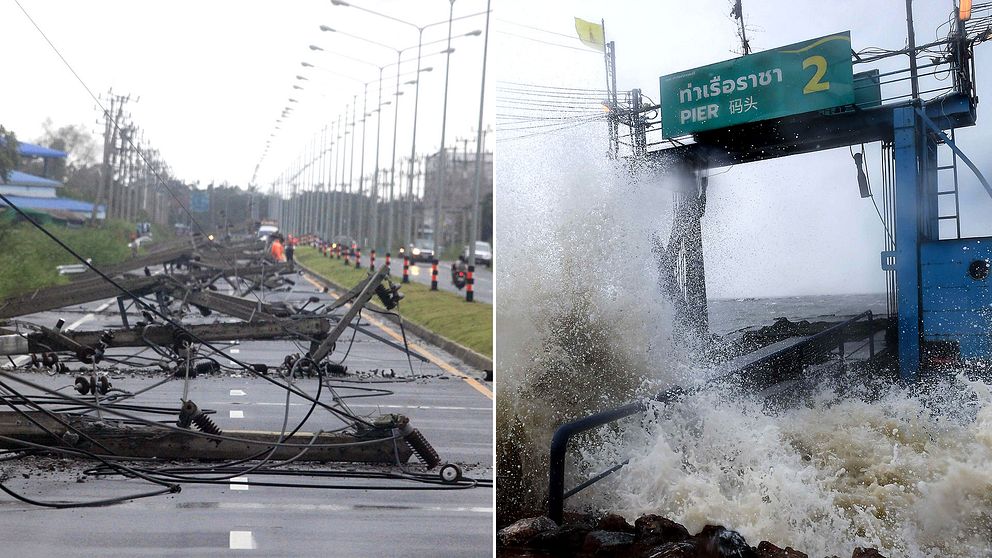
[905,471]
[581,326]
[580,318]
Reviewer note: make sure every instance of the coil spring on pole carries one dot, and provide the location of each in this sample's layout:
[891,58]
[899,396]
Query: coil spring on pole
[204,424]
[424,450]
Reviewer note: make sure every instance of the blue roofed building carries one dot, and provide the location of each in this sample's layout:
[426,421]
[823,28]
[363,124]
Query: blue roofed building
[40,194]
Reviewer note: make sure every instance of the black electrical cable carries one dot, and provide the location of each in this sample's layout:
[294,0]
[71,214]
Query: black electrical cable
[163,316]
[870,193]
[91,504]
[120,413]
[406,344]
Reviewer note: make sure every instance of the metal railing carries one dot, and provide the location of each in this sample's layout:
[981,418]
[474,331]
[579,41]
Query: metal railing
[826,340]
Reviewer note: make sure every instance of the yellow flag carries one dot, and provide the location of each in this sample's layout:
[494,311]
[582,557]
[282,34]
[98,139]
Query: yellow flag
[591,34]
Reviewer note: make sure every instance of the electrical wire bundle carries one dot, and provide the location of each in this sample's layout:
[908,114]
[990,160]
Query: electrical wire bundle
[527,110]
[66,409]
[168,483]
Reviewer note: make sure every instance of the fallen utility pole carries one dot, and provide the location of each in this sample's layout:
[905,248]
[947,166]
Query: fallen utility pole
[169,335]
[126,440]
[368,290]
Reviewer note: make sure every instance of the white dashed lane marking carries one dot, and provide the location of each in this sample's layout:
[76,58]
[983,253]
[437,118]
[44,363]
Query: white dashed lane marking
[238,393]
[237,414]
[239,483]
[242,540]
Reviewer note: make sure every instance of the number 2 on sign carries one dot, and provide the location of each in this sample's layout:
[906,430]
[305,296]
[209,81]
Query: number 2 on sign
[814,83]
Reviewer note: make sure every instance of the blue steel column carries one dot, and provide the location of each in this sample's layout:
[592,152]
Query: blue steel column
[908,208]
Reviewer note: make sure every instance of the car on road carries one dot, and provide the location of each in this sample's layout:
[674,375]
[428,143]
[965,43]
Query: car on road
[483,254]
[422,250]
[265,231]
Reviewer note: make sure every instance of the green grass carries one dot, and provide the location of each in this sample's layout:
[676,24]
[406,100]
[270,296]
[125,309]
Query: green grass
[28,257]
[447,314]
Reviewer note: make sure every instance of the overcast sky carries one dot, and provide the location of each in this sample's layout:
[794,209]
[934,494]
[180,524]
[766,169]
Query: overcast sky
[213,76]
[784,227]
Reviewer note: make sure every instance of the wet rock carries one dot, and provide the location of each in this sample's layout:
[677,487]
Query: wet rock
[577,518]
[654,530]
[716,541]
[614,522]
[608,543]
[681,549]
[521,532]
[866,553]
[566,540]
[768,550]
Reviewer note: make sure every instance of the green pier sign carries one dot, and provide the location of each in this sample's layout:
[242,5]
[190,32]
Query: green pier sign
[812,75]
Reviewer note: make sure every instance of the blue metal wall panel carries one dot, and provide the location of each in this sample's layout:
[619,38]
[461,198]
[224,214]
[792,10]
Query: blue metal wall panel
[957,307]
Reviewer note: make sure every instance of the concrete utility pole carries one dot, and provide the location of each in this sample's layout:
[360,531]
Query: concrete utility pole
[107,127]
[116,188]
[112,126]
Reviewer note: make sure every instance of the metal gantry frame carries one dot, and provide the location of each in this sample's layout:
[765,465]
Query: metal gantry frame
[914,129]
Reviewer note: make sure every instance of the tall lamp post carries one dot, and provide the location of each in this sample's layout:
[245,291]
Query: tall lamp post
[399,55]
[374,219]
[444,125]
[416,96]
[360,228]
[474,231]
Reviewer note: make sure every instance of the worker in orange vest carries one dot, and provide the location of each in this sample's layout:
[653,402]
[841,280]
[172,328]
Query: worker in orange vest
[278,253]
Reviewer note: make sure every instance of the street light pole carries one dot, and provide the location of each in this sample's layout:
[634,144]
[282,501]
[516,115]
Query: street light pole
[413,142]
[479,155]
[361,169]
[325,194]
[392,167]
[336,200]
[374,220]
[351,170]
[322,183]
[444,124]
[308,194]
[399,53]
[343,196]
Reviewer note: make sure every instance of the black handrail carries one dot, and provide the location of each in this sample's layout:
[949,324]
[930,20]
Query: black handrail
[559,442]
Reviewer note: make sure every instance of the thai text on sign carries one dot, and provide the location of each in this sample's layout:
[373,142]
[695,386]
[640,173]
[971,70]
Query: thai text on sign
[803,77]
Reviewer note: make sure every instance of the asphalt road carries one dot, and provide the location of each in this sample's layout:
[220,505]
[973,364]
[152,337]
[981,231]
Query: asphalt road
[454,415]
[421,273]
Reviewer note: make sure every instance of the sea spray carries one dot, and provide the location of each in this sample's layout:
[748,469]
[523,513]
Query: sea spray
[580,320]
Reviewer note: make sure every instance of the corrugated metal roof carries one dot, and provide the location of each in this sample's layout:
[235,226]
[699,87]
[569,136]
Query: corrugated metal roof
[18,178]
[32,150]
[59,204]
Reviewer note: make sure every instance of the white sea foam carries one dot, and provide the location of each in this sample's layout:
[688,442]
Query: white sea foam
[905,471]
